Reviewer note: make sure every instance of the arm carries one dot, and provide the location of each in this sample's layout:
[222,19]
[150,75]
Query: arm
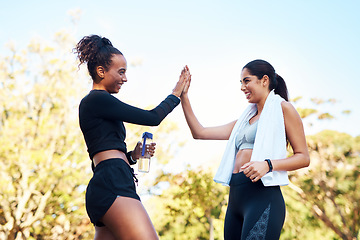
[296,136]
[198,131]
[109,107]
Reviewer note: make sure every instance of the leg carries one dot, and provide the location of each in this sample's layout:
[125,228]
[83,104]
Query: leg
[233,225]
[276,216]
[233,218]
[256,224]
[265,217]
[128,219]
[103,233]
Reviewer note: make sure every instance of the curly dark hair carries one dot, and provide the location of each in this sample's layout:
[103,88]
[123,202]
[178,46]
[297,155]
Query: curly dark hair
[95,51]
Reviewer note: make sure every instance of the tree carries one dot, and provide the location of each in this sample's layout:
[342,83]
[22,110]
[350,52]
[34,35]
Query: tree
[41,148]
[324,196]
[330,188]
[311,113]
[193,207]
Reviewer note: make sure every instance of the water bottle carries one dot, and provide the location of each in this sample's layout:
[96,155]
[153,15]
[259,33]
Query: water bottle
[144,160]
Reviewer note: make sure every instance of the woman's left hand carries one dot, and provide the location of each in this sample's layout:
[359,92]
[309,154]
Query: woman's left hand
[255,170]
[150,149]
[137,151]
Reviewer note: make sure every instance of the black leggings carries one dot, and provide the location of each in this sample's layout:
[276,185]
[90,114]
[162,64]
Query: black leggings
[254,211]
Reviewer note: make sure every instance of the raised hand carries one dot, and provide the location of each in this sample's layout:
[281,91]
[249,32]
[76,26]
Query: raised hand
[181,83]
[187,82]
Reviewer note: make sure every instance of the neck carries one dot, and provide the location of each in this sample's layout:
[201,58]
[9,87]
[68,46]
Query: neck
[97,87]
[261,103]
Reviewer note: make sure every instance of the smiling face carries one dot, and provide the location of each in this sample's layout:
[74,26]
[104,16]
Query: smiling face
[113,78]
[255,89]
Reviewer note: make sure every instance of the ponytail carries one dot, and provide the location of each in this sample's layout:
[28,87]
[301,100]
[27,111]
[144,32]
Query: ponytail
[281,88]
[95,51]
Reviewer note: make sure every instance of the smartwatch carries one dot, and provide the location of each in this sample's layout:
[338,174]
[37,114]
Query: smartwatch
[129,157]
[270,165]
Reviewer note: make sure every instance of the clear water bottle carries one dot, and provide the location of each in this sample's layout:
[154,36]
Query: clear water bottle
[144,160]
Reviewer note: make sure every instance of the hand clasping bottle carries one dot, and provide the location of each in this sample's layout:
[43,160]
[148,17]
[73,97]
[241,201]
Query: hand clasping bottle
[144,160]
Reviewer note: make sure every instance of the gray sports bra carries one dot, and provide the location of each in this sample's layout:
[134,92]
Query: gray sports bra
[246,137]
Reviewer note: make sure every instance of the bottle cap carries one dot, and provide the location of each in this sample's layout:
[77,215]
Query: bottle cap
[146,135]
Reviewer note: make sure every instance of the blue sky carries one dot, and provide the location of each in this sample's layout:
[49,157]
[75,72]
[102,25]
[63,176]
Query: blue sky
[313,45]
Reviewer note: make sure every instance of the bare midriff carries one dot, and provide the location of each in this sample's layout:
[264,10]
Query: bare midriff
[104,155]
[242,157]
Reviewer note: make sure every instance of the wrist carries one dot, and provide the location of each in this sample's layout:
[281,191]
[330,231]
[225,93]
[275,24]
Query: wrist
[269,164]
[176,94]
[183,96]
[131,160]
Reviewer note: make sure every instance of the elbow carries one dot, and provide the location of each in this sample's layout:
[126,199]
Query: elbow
[200,137]
[306,161]
[303,159]
[196,135]
[155,123]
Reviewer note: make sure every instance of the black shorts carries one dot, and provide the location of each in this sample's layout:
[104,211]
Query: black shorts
[112,178]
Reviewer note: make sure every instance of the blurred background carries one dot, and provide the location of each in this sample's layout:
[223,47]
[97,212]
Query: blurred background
[313,45]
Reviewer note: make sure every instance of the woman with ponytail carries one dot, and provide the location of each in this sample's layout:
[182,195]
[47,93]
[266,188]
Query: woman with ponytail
[111,199]
[255,161]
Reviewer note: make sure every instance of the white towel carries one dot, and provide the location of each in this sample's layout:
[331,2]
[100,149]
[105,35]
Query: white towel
[270,142]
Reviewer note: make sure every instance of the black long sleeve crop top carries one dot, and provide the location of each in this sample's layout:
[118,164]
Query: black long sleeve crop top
[102,118]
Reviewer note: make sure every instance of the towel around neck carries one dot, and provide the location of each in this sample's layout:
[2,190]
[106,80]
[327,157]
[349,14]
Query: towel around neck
[270,142]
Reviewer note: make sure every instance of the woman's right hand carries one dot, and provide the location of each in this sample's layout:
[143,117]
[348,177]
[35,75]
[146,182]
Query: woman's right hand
[183,79]
[187,83]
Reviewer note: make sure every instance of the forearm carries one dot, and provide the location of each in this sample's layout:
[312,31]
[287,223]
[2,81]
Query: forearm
[152,117]
[206,133]
[294,162]
[193,123]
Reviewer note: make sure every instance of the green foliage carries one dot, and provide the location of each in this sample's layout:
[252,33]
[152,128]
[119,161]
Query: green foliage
[319,101]
[323,199]
[315,109]
[296,99]
[41,148]
[193,207]
[305,112]
[347,112]
[325,116]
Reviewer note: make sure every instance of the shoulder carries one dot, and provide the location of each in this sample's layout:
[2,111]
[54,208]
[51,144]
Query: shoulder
[99,93]
[286,106]
[289,110]
[99,96]
[98,99]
